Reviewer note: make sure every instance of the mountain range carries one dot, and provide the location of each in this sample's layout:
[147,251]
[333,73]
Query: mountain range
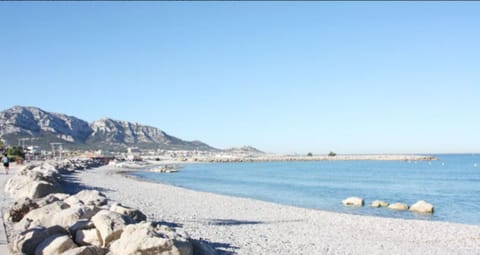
[35,126]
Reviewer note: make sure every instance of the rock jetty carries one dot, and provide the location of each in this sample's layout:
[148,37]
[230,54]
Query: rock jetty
[44,220]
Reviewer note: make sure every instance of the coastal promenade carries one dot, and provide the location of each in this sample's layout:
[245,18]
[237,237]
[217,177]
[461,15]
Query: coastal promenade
[4,203]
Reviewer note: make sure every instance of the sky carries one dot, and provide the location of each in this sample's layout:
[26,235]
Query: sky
[284,77]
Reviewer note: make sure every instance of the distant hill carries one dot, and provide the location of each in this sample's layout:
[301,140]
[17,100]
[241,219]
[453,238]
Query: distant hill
[42,128]
[244,150]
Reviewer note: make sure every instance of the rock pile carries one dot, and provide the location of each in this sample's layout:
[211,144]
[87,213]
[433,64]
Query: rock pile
[419,207]
[43,220]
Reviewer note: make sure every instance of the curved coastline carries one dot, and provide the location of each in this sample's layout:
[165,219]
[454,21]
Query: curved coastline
[247,226]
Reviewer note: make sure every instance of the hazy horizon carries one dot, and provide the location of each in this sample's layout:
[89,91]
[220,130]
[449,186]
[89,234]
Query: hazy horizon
[283,77]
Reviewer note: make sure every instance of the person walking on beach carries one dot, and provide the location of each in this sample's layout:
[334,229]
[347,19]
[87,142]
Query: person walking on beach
[6,163]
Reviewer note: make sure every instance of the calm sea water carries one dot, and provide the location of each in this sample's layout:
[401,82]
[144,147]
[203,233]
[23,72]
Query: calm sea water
[451,184]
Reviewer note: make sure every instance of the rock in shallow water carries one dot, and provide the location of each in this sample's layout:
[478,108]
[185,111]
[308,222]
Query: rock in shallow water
[379,203]
[398,206]
[422,207]
[353,201]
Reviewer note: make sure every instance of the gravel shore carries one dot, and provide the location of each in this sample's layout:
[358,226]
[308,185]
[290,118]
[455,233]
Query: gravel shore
[245,226]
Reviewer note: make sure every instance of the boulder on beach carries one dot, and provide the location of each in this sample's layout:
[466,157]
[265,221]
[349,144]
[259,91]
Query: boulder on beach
[398,206]
[70,216]
[86,250]
[110,225]
[379,203]
[353,201]
[145,238]
[422,207]
[55,245]
[33,182]
[19,209]
[88,237]
[27,241]
[87,197]
[42,216]
[135,214]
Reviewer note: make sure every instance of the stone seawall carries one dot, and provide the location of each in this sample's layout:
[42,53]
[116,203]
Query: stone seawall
[45,220]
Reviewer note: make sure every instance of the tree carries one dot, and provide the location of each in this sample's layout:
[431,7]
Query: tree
[309,154]
[332,154]
[15,152]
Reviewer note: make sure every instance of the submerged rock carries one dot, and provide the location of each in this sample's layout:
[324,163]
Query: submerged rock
[379,203]
[422,207]
[398,206]
[353,201]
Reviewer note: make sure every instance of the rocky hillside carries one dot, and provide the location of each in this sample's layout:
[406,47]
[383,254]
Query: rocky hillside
[244,150]
[114,133]
[42,128]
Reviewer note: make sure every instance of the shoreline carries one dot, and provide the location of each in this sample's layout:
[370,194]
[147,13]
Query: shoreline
[128,174]
[236,225]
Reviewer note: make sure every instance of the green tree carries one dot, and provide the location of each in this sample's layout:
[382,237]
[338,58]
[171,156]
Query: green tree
[15,152]
[309,154]
[332,154]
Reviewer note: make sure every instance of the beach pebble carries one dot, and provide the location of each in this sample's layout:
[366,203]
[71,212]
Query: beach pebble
[398,206]
[144,238]
[353,201]
[422,207]
[110,225]
[379,203]
[54,245]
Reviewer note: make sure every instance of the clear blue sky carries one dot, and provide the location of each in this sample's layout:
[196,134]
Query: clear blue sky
[352,77]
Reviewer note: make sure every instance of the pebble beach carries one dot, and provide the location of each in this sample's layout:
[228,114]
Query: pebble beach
[244,226]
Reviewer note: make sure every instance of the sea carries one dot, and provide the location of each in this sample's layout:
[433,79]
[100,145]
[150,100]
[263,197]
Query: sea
[451,184]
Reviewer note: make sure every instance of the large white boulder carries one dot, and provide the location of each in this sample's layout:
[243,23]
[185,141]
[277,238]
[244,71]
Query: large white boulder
[422,207]
[88,197]
[110,225]
[135,214]
[42,216]
[353,201]
[68,217]
[144,238]
[88,237]
[55,245]
[27,241]
[19,209]
[86,250]
[379,203]
[33,183]
[398,206]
